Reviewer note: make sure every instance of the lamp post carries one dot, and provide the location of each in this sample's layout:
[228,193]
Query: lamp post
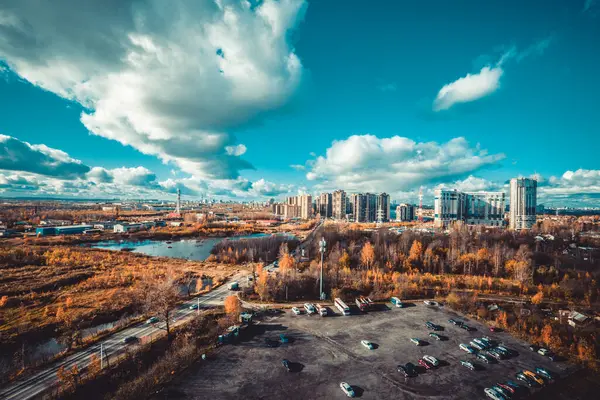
[322,245]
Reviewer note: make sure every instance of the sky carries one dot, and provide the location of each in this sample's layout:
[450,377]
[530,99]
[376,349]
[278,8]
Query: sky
[248,100]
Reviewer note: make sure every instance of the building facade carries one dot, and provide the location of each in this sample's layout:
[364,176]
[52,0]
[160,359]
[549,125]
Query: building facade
[324,205]
[476,208]
[405,212]
[523,202]
[306,206]
[338,204]
[383,207]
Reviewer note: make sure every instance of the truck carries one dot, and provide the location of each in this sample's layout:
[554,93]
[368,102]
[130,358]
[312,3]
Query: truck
[397,302]
[234,286]
[322,310]
[362,304]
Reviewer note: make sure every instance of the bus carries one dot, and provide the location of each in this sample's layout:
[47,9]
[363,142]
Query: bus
[344,309]
[310,309]
[322,310]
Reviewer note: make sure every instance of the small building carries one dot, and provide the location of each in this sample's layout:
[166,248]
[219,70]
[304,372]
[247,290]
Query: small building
[577,319]
[105,225]
[72,229]
[176,223]
[120,228]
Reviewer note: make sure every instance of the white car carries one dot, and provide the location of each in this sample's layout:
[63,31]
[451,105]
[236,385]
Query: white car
[430,303]
[544,352]
[346,388]
[430,359]
[296,310]
[367,344]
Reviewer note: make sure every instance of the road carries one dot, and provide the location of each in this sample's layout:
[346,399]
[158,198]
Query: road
[113,345]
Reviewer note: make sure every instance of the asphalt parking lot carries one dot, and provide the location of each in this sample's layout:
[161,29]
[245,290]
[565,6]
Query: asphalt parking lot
[325,351]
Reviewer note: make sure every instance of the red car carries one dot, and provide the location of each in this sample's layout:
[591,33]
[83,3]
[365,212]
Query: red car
[425,364]
[507,387]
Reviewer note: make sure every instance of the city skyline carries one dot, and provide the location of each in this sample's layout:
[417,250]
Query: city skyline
[480,99]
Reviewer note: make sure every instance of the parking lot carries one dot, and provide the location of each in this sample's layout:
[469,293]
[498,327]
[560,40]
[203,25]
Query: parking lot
[326,351]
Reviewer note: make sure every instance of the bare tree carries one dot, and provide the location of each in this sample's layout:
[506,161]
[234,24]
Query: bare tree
[161,298]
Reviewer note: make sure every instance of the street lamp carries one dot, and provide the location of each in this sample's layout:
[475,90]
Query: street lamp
[322,245]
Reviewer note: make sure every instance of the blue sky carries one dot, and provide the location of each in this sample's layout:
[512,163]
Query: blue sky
[133,98]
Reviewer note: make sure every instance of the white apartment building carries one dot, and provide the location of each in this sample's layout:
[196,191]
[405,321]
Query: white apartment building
[405,212]
[523,202]
[474,208]
[338,204]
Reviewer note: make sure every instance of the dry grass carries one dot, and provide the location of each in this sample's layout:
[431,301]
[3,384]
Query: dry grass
[41,286]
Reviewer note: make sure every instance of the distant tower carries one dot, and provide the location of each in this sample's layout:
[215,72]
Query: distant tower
[178,207]
[379,216]
[421,204]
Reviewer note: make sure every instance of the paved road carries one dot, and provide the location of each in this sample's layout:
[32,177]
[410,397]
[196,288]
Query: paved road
[113,345]
[39,382]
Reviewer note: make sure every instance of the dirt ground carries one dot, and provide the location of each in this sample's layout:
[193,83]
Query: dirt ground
[327,351]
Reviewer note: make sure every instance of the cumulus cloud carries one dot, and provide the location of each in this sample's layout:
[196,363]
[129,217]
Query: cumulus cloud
[581,181]
[298,167]
[395,164]
[472,184]
[469,88]
[16,155]
[170,79]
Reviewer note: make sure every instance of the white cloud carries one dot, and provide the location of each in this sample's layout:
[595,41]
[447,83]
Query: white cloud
[298,167]
[167,78]
[395,164]
[469,88]
[17,155]
[472,184]
[581,181]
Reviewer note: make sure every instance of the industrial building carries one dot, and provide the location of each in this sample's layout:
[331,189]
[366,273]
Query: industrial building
[62,230]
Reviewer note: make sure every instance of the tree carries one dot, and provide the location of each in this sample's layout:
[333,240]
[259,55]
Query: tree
[367,255]
[233,307]
[538,298]
[161,298]
[262,285]
[286,263]
[344,260]
[94,365]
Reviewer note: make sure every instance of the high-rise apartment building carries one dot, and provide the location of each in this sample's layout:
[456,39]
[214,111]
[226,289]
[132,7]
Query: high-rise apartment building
[405,212]
[306,206]
[324,205]
[478,208]
[523,201]
[338,204]
[383,207]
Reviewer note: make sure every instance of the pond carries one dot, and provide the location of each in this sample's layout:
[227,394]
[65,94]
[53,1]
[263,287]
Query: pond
[190,249]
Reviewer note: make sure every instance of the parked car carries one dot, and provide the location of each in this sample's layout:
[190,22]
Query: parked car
[495,354]
[495,329]
[502,350]
[296,310]
[544,352]
[286,364]
[130,339]
[526,380]
[468,364]
[538,379]
[424,364]
[408,370]
[467,348]
[416,341]
[152,320]
[534,347]
[503,392]
[492,394]
[367,344]
[485,358]
[466,327]
[435,336]
[431,303]
[476,345]
[512,390]
[283,338]
[432,360]
[347,389]
[433,326]
[545,373]
[554,357]
[455,322]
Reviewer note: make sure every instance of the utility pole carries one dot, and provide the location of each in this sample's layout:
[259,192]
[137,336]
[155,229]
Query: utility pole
[322,246]
[198,309]
[101,356]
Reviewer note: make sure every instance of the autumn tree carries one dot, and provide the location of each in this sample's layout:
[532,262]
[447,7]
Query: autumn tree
[286,263]
[538,298]
[161,298]
[344,260]
[367,255]
[262,285]
[233,307]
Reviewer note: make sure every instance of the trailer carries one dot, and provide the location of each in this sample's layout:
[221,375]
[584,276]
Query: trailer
[322,310]
[361,304]
[340,305]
